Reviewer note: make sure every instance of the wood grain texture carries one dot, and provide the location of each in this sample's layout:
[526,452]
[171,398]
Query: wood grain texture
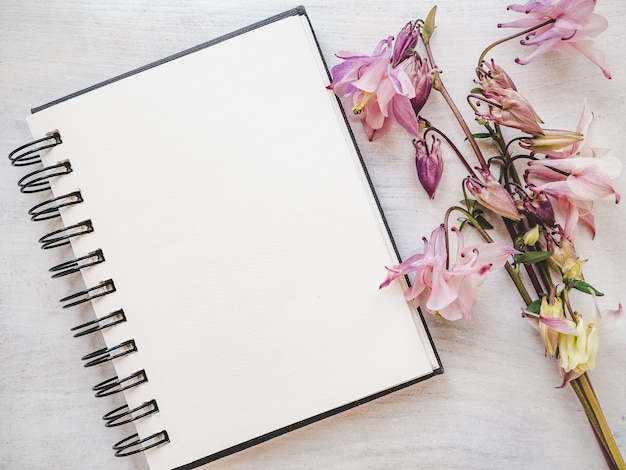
[496,405]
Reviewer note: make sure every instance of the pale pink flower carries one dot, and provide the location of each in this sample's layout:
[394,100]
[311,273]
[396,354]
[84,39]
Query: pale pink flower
[584,178]
[576,183]
[573,25]
[428,267]
[574,143]
[507,107]
[492,195]
[450,293]
[463,279]
[380,93]
[576,176]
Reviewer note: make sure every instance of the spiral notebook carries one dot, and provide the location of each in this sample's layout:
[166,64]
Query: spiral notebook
[230,243]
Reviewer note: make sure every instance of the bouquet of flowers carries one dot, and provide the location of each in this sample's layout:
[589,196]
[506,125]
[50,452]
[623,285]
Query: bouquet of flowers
[540,184]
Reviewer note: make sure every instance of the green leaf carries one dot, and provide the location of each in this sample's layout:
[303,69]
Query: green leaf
[481,135]
[483,222]
[532,257]
[429,25]
[477,90]
[586,288]
[534,306]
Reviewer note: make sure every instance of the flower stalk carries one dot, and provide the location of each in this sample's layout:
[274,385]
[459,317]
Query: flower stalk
[440,87]
[532,172]
[587,397]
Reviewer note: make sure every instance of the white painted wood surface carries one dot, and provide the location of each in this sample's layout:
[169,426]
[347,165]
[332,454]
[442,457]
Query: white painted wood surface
[496,406]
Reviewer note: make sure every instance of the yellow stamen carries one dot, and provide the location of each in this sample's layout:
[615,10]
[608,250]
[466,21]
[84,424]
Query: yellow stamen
[360,106]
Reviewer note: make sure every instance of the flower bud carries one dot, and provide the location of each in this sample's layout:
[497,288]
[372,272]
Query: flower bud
[551,140]
[405,43]
[572,269]
[422,78]
[429,164]
[493,196]
[550,309]
[561,251]
[532,236]
[491,75]
[538,208]
[509,108]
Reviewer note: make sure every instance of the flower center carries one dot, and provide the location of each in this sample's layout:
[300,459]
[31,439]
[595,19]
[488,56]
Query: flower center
[366,97]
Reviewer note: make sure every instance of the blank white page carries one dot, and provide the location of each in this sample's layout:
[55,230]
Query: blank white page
[243,238]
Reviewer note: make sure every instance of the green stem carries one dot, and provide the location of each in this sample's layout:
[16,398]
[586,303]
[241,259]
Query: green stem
[581,385]
[591,404]
[465,163]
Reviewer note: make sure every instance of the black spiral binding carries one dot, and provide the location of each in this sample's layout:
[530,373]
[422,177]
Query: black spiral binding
[50,209]
[74,265]
[62,236]
[29,154]
[116,385]
[124,414]
[133,444]
[38,181]
[112,319]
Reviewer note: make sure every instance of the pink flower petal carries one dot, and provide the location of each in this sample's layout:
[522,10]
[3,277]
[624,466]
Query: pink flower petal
[609,320]
[561,325]
[404,114]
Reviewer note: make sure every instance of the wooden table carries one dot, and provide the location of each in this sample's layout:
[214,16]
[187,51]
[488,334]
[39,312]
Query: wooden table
[496,406]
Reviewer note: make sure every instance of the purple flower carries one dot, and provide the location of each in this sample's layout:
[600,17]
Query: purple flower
[429,164]
[422,77]
[538,207]
[380,93]
[405,43]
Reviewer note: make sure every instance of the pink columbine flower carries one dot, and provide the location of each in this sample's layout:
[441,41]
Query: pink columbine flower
[507,107]
[492,195]
[573,25]
[578,339]
[429,164]
[450,293]
[576,183]
[468,273]
[576,176]
[380,93]
[428,267]
[574,143]
[491,75]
